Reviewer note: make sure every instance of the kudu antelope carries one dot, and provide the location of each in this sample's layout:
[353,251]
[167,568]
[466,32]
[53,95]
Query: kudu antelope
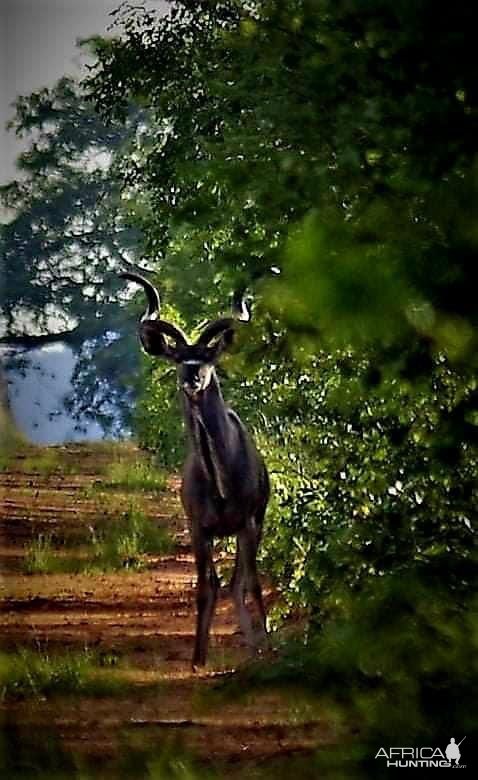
[225,486]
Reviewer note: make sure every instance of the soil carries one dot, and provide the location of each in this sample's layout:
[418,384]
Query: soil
[142,621]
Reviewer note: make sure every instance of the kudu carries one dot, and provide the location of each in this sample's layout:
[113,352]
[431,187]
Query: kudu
[225,486]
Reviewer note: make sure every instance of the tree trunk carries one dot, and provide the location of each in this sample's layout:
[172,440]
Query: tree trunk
[27,342]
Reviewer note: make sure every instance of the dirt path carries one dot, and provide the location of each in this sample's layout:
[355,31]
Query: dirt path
[141,621]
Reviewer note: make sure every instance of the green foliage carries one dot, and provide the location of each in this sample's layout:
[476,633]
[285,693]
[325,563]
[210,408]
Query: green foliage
[342,132]
[297,141]
[63,212]
[65,223]
[396,661]
[158,419]
[27,753]
[366,480]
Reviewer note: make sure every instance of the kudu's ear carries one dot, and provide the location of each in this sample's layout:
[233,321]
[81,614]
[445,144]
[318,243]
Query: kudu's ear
[154,341]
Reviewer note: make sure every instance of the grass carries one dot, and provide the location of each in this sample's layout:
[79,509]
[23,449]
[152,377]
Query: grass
[120,544]
[136,476]
[127,468]
[31,674]
[45,461]
[18,455]
[40,557]
[40,754]
[124,543]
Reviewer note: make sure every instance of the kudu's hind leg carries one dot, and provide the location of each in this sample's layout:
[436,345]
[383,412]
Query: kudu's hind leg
[246,579]
[206,596]
[239,589]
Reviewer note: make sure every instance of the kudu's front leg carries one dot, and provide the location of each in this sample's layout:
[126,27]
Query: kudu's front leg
[206,595]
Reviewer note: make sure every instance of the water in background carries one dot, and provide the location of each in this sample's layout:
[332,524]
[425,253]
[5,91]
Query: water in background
[36,398]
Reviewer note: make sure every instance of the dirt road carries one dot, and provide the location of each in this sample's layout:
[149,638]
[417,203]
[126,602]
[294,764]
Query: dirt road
[140,622]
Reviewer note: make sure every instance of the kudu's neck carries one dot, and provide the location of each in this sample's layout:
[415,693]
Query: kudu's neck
[211,434]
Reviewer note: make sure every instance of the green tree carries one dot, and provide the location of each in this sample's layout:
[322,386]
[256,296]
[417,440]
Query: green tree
[64,241]
[323,153]
[325,140]
[337,135]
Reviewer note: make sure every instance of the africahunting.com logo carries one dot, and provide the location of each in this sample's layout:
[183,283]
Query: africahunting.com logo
[409,757]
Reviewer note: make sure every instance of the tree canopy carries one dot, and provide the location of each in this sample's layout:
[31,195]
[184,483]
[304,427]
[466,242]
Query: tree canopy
[334,140]
[64,239]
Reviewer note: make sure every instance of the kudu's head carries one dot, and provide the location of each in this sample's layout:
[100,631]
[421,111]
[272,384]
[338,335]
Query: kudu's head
[196,361]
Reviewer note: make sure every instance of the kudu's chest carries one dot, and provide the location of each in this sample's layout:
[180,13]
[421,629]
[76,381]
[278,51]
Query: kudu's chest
[222,474]
[217,514]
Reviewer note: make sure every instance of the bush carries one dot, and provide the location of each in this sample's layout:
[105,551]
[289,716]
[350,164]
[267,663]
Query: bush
[366,480]
[395,664]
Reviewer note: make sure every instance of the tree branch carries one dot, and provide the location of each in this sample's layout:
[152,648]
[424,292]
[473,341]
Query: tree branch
[26,341]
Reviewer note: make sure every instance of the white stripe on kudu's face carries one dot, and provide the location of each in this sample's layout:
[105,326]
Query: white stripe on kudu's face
[205,373]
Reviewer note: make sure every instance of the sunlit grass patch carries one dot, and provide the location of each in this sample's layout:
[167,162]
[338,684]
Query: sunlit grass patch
[124,543]
[43,557]
[31,674]
[44,461]
[40,556]
[17,454]
[138,475]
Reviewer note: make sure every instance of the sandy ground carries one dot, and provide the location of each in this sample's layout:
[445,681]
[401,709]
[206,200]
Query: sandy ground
[143,619]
